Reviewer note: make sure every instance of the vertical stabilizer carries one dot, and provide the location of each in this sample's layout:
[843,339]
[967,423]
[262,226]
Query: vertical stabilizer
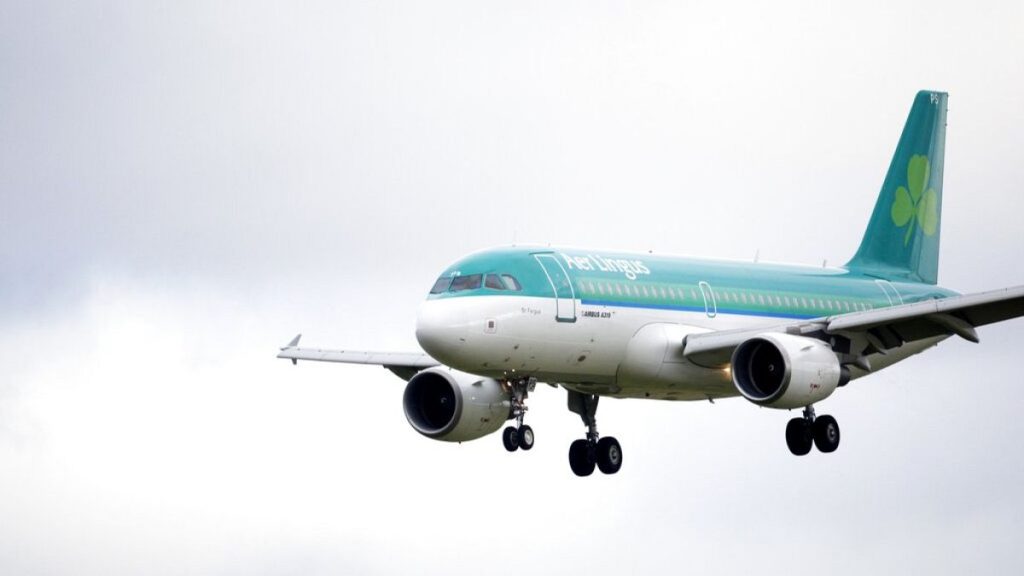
[902,238]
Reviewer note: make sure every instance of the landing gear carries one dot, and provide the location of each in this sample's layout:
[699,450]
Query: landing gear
[593,451]
[520,435]
[803,433]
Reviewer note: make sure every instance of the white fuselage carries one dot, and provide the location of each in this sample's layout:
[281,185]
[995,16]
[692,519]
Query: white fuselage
[608,350]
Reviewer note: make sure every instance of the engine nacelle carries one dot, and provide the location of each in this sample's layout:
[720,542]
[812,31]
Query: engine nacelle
[786,371]
[455,406]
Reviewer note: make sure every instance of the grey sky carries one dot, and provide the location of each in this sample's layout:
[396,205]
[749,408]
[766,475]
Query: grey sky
[185,185]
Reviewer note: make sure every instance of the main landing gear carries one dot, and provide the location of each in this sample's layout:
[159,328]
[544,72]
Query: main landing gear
[604,453]
[820,431]
[520,435]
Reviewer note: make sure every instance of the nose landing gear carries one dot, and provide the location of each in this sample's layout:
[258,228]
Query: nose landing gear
[593,451]
[520,435]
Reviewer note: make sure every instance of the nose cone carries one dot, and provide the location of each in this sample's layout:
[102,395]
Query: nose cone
[441,329]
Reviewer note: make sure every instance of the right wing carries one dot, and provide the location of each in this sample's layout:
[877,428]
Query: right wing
[883,328]
[404,364]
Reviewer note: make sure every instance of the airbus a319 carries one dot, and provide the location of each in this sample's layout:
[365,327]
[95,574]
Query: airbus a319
[600,323]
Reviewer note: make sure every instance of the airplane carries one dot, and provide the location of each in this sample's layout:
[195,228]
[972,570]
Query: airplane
[608,324]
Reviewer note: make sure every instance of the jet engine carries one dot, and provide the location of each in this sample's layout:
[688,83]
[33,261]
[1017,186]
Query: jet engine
[786,371]
[449,405]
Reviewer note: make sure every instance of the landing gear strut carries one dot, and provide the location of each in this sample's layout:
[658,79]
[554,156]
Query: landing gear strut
[820,431]
[593,451]
[520,435]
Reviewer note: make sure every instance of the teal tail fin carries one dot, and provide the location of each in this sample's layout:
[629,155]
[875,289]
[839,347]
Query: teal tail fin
[902,238]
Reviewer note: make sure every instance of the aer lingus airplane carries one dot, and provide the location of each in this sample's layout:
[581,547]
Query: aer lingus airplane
[601,323]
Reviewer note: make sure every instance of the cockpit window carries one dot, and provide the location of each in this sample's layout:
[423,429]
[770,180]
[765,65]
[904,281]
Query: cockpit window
[494,282]
[510,282]
[470,282]
[441,285]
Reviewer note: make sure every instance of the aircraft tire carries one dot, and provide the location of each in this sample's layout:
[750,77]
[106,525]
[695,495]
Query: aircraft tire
[525,437]
[581,458]
[609,455]
[799,437]
[510,438]
[826,434]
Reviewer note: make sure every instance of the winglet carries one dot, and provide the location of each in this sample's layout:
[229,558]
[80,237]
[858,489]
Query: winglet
[294,342]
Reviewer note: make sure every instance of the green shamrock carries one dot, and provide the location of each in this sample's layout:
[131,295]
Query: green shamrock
[916,205]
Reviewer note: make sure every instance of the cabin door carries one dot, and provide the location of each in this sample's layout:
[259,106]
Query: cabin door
[565,296]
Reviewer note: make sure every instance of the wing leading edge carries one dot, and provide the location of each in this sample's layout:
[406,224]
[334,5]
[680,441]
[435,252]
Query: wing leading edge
[883,329]
[403,364]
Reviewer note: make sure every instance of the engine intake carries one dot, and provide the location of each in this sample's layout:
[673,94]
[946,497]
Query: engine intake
[786,371]
[455,406]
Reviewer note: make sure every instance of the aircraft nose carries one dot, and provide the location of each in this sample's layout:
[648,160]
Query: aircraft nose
[441,330]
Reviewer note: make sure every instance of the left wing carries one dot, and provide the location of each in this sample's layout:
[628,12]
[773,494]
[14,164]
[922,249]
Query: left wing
[883,329]
[404,364]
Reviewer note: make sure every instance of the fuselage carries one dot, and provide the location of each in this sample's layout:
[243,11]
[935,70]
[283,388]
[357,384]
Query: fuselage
[606,322]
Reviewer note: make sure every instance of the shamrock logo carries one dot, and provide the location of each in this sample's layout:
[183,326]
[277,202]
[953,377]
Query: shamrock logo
[916,205]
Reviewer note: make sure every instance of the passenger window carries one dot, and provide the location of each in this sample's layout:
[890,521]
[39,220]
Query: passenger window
[470,282]
[493,282]
[511,283]
[441,285]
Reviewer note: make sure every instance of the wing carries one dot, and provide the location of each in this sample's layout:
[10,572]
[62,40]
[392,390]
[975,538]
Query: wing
[881,329]
[403,364]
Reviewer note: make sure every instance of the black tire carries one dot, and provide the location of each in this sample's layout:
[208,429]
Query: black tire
[609,455]
[826,434]
[581,458]
[799,437]
[510,438]
[525,437]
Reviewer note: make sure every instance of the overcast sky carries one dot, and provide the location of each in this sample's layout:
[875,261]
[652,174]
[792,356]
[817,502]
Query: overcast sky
[186,185]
